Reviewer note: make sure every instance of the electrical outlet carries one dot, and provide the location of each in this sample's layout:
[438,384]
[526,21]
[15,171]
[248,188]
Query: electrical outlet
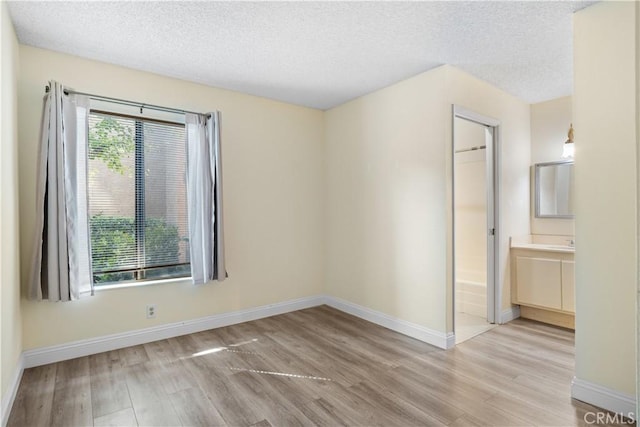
[151,311]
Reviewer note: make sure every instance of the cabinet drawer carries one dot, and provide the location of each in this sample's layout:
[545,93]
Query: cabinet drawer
[539,281]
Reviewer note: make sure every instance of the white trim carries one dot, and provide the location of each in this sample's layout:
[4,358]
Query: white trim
[494,192]
[481,119]
[134,284]
[45,355]
[57,353]
[450,340]
[498,273]
[509,314]
[12,392]
[603,397]
[436,338]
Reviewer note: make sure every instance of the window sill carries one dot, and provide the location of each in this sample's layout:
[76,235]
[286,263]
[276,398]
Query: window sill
[180,280]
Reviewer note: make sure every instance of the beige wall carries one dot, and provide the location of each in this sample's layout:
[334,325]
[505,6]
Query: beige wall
[606,190]
[386,193]
[389,199]
[550,122]
[274,176]
[549,126]
[10,320]
[384,173]
[515,157]
[637,212]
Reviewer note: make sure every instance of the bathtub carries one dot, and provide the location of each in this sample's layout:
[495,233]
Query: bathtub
[471,297]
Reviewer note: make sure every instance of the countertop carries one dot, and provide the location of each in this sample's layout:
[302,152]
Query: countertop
[544,247]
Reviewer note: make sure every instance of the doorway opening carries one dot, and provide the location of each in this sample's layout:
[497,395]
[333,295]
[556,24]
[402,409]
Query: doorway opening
[476,294]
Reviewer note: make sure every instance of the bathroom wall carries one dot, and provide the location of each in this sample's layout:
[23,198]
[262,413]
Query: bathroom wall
[470,211]
[550,122]
[605,118]
[470,202]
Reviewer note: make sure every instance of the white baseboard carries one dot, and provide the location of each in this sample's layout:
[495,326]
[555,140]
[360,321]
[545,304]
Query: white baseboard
[57,353]
[582,390]
[450,341]
[45,355]
[509,314]
[603,397]
[439,339]
[10,396]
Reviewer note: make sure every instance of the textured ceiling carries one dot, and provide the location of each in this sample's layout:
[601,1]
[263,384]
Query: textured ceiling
[318,54]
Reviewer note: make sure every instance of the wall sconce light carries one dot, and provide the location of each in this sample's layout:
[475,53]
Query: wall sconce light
[569,146]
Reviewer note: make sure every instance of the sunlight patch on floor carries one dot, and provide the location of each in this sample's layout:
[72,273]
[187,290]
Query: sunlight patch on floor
[281,374]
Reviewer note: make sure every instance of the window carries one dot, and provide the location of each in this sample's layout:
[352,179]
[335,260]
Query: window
[137,198]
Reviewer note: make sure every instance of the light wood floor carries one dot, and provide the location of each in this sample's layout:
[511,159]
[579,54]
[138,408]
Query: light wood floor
[312,367]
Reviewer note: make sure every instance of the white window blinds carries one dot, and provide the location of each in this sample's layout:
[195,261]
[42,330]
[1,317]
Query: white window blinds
[137,198]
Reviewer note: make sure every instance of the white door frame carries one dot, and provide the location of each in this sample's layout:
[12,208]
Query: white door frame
[494,280]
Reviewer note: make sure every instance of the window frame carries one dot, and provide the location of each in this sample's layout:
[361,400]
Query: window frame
[113,109]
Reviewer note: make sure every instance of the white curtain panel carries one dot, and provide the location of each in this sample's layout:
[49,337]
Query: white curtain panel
[213,124]
[204,198]
[61,263]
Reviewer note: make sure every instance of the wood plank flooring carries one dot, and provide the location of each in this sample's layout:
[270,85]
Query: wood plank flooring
[312,367]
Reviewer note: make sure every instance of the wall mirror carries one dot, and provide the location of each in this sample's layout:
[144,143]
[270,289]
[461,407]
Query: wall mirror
[554,189]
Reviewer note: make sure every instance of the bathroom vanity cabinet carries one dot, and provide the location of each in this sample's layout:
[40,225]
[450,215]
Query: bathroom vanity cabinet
[543,283]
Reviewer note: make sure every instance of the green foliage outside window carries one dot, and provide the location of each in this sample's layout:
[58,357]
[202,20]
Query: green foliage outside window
[113,237]
[110,142]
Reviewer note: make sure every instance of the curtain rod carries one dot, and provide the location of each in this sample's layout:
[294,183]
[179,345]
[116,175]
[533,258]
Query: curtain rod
[482,147]
[127,102]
